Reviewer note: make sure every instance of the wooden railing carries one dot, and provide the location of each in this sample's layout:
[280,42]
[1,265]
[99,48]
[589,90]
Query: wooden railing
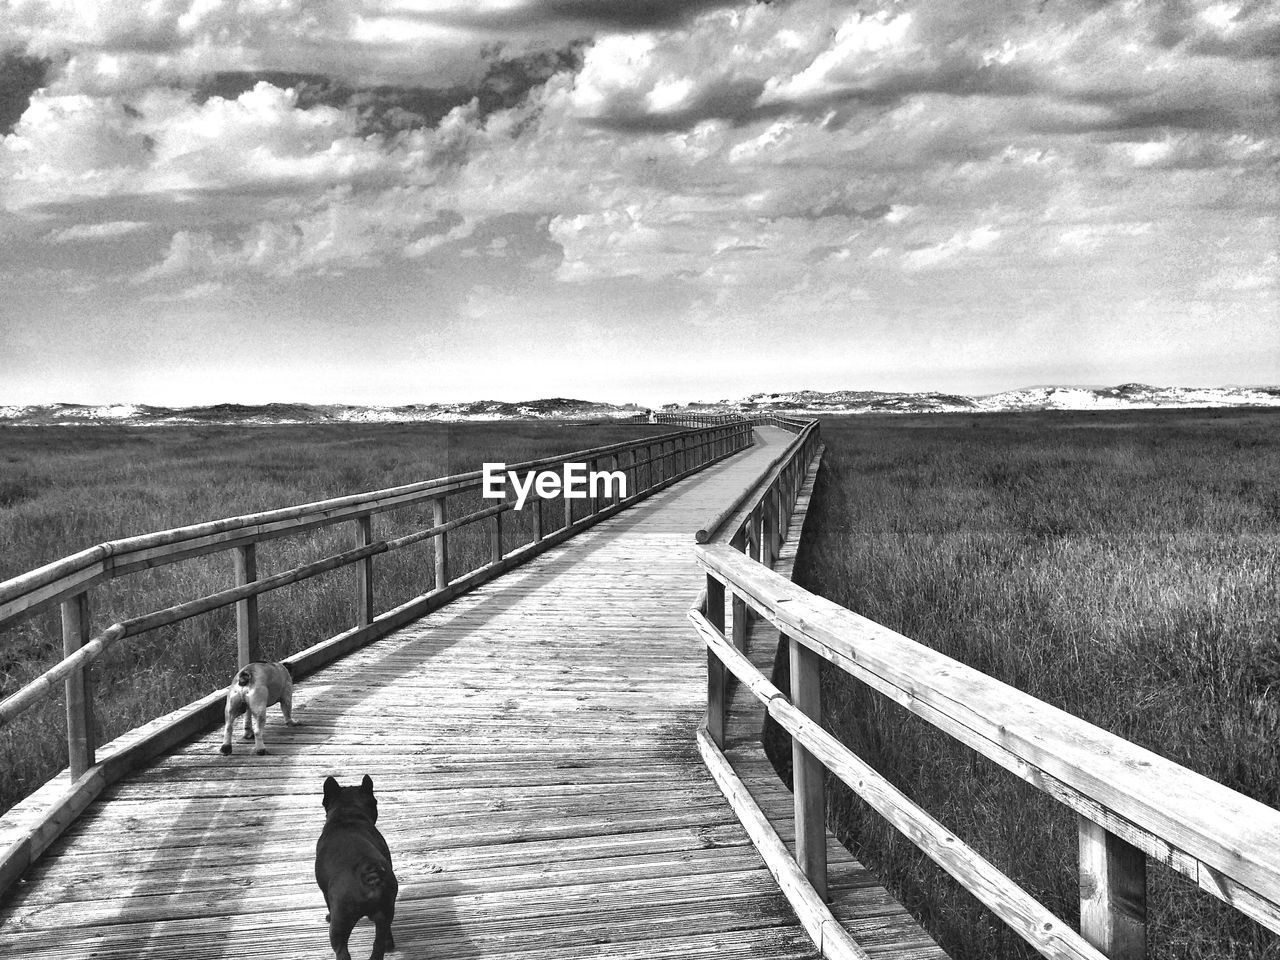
[1131,804]
[649,463]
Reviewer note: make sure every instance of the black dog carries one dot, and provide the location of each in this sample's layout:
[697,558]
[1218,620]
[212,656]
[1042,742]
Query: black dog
[353,867]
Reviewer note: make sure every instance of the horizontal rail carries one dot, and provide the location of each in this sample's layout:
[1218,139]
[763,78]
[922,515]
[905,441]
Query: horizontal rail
[29,592]
[44,686]
[1022,912]
[653,463]
[1226,842]
[798,451]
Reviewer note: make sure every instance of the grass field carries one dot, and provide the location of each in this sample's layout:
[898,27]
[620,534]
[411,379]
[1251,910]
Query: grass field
[1124,567]
[66,488]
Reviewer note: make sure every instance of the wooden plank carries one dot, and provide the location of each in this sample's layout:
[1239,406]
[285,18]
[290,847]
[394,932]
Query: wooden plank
[832,940]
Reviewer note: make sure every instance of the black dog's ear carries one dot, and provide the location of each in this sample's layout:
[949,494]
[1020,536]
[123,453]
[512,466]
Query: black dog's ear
[367,784]
[331,789]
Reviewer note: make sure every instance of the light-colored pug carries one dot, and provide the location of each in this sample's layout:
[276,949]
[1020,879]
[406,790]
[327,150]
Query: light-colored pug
[256,687]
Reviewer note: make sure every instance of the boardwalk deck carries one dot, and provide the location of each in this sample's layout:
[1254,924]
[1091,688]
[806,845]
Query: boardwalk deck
[532,749]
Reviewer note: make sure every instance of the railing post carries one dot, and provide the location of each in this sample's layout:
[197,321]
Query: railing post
[1113,893]
[364,573]
[615,464]
[568,509]
[440,543]
[807,771]
[495,539]
[246,563]
[779,521]
[537,518]
[767,522]
[753,533]
[79,687]
[717,685]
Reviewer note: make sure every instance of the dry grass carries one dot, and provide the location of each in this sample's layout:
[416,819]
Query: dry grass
[66,488]
[1123,567]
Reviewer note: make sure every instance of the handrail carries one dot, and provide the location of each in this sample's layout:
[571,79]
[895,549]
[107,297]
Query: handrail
[1131,803]
[651,463]
[798,452]
[36,589]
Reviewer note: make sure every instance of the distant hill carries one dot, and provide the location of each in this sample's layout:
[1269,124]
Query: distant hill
[557,408]
[1126,396]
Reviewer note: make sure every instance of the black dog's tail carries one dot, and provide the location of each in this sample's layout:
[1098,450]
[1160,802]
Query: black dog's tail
[376,878]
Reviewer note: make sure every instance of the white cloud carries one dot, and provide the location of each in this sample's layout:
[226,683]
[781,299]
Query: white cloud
[979,239]
[96,231]
[728,155]
[75,147]
[862,47]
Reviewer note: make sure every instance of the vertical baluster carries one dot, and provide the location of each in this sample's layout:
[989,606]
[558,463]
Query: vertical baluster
[440,543]
[779,523]
[568,508]
[248,648]
[495,539]
[364,573]
[741,612]
[754,525]
[766,532]
[717,681]
[1113,893]
[79,687]
[807,771]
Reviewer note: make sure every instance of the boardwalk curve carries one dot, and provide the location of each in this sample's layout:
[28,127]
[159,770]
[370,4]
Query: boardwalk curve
[532,747]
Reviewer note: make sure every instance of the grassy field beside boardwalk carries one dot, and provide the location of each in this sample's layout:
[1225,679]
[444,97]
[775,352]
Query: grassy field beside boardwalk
[1122,566]
[63,489]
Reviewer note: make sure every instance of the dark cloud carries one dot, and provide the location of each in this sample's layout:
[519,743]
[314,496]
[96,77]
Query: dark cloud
[20,76]
[734,100]
[593,14]
[387,109]
[842,208]
[737,100]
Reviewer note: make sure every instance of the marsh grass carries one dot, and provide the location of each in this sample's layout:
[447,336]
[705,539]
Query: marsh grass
[1123,567]
[63,489]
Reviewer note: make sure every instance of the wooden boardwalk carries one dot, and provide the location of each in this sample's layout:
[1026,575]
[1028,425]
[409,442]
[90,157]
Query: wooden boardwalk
[532,747]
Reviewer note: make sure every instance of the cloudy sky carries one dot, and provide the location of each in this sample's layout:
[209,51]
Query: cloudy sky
[649,200]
